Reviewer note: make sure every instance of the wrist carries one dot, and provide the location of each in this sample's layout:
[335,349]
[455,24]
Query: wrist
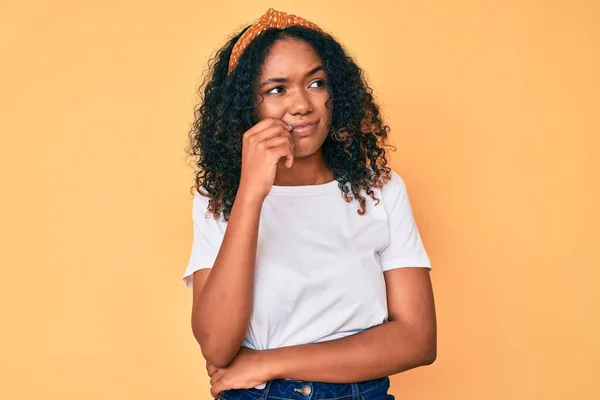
[249,197]
[274,365]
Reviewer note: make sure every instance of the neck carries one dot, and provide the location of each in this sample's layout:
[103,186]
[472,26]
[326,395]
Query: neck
[310,170]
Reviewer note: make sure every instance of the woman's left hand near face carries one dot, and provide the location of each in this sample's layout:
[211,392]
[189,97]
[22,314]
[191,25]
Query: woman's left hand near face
[246,371]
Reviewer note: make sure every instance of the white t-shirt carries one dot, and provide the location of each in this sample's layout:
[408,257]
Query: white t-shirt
[319,264]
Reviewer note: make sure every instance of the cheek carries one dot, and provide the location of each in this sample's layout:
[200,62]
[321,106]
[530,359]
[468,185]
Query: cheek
[327,112]
[326,105]
[268,109]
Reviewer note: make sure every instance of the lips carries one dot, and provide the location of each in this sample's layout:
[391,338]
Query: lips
[304,127]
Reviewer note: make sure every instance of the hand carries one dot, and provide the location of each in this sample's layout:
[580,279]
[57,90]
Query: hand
[246,371]
[263,146]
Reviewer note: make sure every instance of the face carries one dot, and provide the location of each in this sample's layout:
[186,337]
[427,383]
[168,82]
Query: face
[292,86]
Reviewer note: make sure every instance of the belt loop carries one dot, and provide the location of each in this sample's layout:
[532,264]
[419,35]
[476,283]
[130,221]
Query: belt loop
[355,391]
[266,390]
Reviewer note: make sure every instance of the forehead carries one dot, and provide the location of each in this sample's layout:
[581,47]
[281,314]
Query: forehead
[288,57]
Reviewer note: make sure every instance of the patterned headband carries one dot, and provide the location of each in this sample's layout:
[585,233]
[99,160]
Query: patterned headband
[271,19]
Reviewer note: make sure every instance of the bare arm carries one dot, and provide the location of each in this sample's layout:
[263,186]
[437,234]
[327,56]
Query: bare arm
[221,307]
[407,341]
[223,300]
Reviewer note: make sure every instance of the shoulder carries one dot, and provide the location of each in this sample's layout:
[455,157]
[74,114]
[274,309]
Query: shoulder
[200,204]
[393,190]
[200,199]
[395,183]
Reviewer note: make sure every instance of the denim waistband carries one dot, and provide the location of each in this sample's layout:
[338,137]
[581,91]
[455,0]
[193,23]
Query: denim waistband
[290,389]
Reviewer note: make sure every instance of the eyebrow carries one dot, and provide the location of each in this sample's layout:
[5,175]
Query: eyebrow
[283,80]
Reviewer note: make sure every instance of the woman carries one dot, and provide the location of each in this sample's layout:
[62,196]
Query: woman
[309,275]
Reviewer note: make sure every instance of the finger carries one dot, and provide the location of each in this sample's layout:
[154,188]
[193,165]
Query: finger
[266,123]
[269,133]
[283,140]
[290,157]
[218,387]
[281,122]
[285,134]
[215,395]
[284,150]
[278,141]
[211,369]
[217,376]
[287,148]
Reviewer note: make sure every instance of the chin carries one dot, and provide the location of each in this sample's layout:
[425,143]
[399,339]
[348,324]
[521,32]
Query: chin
[302,153]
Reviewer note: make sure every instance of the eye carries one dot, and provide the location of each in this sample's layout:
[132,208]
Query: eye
[318,83]
[275,90]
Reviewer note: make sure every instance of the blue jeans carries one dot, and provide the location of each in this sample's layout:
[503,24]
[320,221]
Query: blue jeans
[282,389]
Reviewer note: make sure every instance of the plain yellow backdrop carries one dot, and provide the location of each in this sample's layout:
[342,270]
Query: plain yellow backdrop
[493,107]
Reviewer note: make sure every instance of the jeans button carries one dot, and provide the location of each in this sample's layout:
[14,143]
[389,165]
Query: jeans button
[306,390]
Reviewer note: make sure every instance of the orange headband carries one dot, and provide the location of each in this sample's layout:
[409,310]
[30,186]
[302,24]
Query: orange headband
[271,19]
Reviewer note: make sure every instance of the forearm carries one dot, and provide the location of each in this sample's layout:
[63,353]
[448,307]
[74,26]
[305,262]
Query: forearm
[381,351]
[221,313]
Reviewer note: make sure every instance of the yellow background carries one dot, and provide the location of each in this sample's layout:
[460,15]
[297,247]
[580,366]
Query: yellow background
[493,106]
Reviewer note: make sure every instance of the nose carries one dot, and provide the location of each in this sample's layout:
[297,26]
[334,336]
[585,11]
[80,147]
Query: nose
[299,103]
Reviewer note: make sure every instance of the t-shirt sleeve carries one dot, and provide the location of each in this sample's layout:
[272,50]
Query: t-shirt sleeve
[405,247]
[207,238]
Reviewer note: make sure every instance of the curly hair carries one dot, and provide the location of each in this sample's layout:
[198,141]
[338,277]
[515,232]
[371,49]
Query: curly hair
[354,149]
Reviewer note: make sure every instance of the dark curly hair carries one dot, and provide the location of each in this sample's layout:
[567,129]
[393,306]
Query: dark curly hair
[354,149]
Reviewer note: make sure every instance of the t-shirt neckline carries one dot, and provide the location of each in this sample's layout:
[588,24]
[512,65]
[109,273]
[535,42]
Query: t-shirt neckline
[305,189]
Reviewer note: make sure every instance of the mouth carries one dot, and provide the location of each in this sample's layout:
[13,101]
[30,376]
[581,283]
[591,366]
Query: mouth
[304,128]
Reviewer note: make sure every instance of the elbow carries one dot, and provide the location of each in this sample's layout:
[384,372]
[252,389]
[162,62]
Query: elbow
[421,353]
[216,358]
[215,353]
[424,350]
[429,352]
[213,350]
[430,356]
[427,345]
